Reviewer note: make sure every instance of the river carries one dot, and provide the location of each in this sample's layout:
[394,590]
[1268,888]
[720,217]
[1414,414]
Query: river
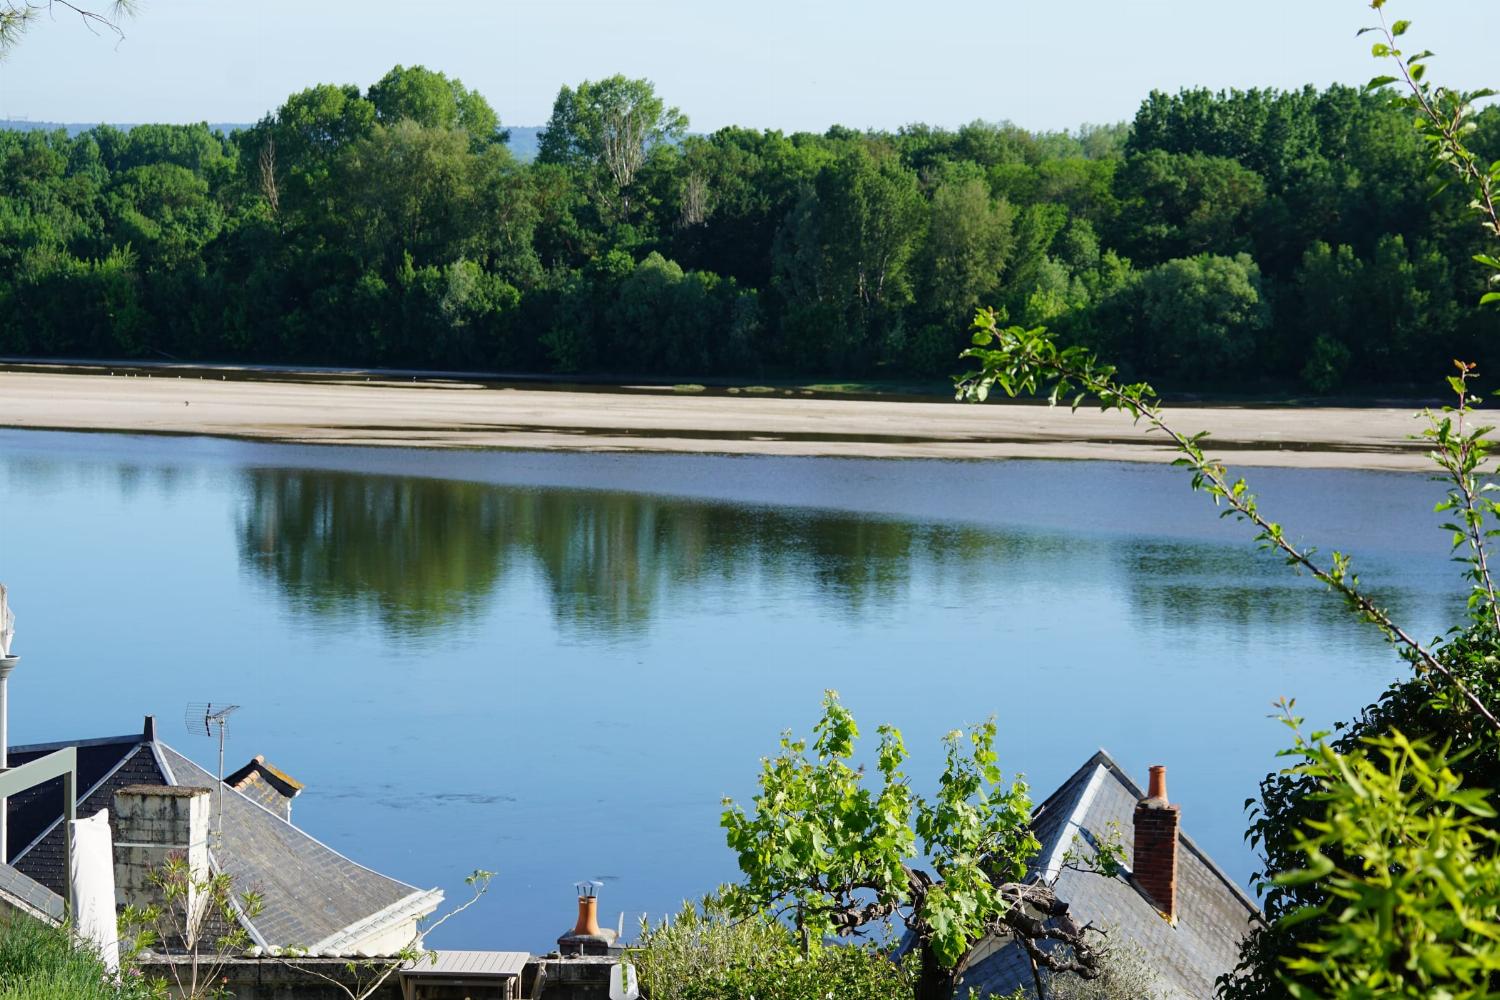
[556,665]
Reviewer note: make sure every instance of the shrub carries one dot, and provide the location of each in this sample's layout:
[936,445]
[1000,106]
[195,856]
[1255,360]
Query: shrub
[704,954]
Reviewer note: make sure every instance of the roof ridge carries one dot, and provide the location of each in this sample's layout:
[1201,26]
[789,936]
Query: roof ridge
[1099,756]
[1102,756]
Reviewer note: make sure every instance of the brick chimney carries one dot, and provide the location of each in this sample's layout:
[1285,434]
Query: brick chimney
[1155,861]
[153,823]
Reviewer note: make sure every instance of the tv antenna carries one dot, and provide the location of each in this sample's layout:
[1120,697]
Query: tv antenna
[207,718]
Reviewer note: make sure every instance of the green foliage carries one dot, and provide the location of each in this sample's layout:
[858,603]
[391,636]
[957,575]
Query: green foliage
[1325,368]
[1406,858]
[837,854]
[198,915]
[16,16]
[1200,317]
[39,962]
[1381,865]
[1288,801]
[706,953]
[431,100]
[1184,204]
[389,225]
[606,130]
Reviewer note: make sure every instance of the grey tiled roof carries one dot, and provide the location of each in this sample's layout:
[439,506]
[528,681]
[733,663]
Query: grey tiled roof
[1213,913]
[311,892]
[314,897]
[19,889]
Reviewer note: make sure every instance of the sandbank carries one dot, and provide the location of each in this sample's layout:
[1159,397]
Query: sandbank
[455,413]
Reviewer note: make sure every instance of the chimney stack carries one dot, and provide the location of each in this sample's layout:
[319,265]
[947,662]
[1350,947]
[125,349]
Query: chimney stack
[1156,838]
[586,937]
[152,824]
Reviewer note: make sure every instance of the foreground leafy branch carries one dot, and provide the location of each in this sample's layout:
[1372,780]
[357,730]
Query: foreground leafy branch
[1019,361]
[1443,117]
[18,15]
[1405,855]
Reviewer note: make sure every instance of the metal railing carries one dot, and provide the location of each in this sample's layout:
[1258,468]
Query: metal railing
[58,764]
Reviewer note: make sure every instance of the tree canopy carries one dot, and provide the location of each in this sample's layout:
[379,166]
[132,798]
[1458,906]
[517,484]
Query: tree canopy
[389,225]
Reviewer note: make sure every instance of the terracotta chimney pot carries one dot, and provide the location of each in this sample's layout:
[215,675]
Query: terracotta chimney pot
[1158,789]
[588,917]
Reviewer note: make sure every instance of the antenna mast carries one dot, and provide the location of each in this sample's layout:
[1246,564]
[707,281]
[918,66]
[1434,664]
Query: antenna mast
[209,719]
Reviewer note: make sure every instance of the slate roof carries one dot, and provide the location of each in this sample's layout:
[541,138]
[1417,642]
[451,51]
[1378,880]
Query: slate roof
[20,890]
[312,893]
[316,900]
[1213,913]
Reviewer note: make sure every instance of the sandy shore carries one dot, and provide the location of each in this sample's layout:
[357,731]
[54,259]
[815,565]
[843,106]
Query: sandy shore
[455,414]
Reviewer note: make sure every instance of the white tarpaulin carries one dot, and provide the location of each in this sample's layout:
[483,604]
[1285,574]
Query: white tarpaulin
[92,887]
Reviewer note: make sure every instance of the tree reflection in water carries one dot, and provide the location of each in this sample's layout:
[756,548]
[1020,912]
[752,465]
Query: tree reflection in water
[422,555]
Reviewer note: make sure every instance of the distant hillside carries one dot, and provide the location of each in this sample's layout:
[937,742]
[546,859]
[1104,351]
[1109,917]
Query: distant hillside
[523,138]
[523,141]
[73,128]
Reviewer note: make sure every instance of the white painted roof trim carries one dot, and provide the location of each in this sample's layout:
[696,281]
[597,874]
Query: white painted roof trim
[257,940]
[161,763]
[412,907]
[1074,825]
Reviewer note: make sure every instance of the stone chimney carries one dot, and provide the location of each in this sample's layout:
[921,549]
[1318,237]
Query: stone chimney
[1155,861]
[153,824]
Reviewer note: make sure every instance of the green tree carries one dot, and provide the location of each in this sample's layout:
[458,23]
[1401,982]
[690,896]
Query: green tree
[1382,851]
[1182,204]
[968,242]
[838,855]
[844,256]
[432,100]
[606,129]
[1198,317]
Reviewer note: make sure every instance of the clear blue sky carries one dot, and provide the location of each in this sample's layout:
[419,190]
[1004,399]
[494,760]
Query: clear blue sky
[788,64]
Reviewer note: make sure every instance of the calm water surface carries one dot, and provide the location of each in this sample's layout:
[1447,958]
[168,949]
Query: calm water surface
[555,666]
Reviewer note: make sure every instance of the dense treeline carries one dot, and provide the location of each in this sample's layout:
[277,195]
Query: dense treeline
[1232,239]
